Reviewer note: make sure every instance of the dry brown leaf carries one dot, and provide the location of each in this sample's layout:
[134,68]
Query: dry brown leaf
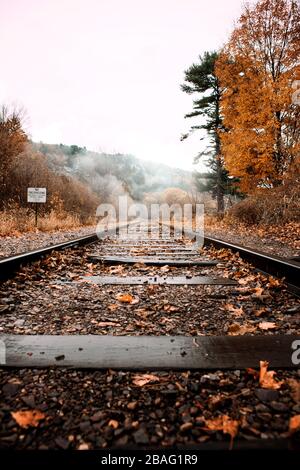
[236,311]
[273,283]
[259,312]
[266,378]
[294,424]
[171,308]
[225,424]
[108,323]
[142,379]
[142,312]
[28,418]
[237,329]
[267,325]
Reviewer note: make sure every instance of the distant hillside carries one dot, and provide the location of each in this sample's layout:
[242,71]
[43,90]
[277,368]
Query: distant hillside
[113,173]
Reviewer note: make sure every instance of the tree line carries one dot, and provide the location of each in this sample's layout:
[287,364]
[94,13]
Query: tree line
[245,99]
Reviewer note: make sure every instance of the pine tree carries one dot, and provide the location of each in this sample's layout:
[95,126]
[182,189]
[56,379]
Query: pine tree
[201,79]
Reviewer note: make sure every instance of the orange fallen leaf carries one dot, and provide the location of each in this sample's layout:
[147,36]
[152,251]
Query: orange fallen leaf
[127,298]
[294,424]
[266,378]
[28,418]
[225,424]
[237,329]
[273,283]
[142,379]
[267,325]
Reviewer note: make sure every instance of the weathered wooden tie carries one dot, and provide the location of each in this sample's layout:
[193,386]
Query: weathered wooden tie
[151,261]
[147,352]
[176,280]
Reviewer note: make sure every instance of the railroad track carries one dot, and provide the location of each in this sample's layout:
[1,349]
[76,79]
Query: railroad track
[148,302]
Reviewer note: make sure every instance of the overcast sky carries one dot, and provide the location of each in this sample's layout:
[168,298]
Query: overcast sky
[106,74]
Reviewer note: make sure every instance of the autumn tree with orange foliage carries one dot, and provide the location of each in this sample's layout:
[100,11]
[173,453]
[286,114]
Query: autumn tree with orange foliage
[257,69]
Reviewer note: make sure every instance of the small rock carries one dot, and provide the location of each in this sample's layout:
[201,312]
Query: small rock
[278,406]
[266,395]
[10,390]
[132,405]
[140,436]
[19,322]
[294,309]
[186,426]
[261,408]
[62,443]
[98,416]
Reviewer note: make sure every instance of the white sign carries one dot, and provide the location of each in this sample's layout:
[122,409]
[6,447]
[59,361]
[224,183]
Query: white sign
[36,194]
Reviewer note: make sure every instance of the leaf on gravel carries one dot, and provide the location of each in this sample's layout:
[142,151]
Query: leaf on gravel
[225,424]
[142,312]
[127,299]
[142,379]
[113,423]
[108,323]
[273,283]
[294,424]
[28,418]
[258,294]
[259,312]
[237,329]
[267,325]
[295,389]
[266,378]
[171,308]
[236,311]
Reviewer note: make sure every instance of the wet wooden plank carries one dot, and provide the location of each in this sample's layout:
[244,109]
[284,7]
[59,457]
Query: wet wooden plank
[151,261]
[146,352]
[176,280]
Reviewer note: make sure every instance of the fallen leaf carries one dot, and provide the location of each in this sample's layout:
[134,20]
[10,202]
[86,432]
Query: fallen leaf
[127,299]
[294,424]
[108,323]
[28,418]
[273,283]
[142,379]
[267,325]
[259,312]
[171,308]
[225,424]
[266,378]
[258,294]
[142,312]
[237,329]
[236,311]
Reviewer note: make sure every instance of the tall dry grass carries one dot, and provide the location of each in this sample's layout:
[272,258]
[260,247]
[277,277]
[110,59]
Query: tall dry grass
[15,221]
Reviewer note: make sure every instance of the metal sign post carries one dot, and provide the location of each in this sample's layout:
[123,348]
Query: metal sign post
[37,196]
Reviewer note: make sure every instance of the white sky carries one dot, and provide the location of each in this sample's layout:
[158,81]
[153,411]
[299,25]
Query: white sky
[106,74]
